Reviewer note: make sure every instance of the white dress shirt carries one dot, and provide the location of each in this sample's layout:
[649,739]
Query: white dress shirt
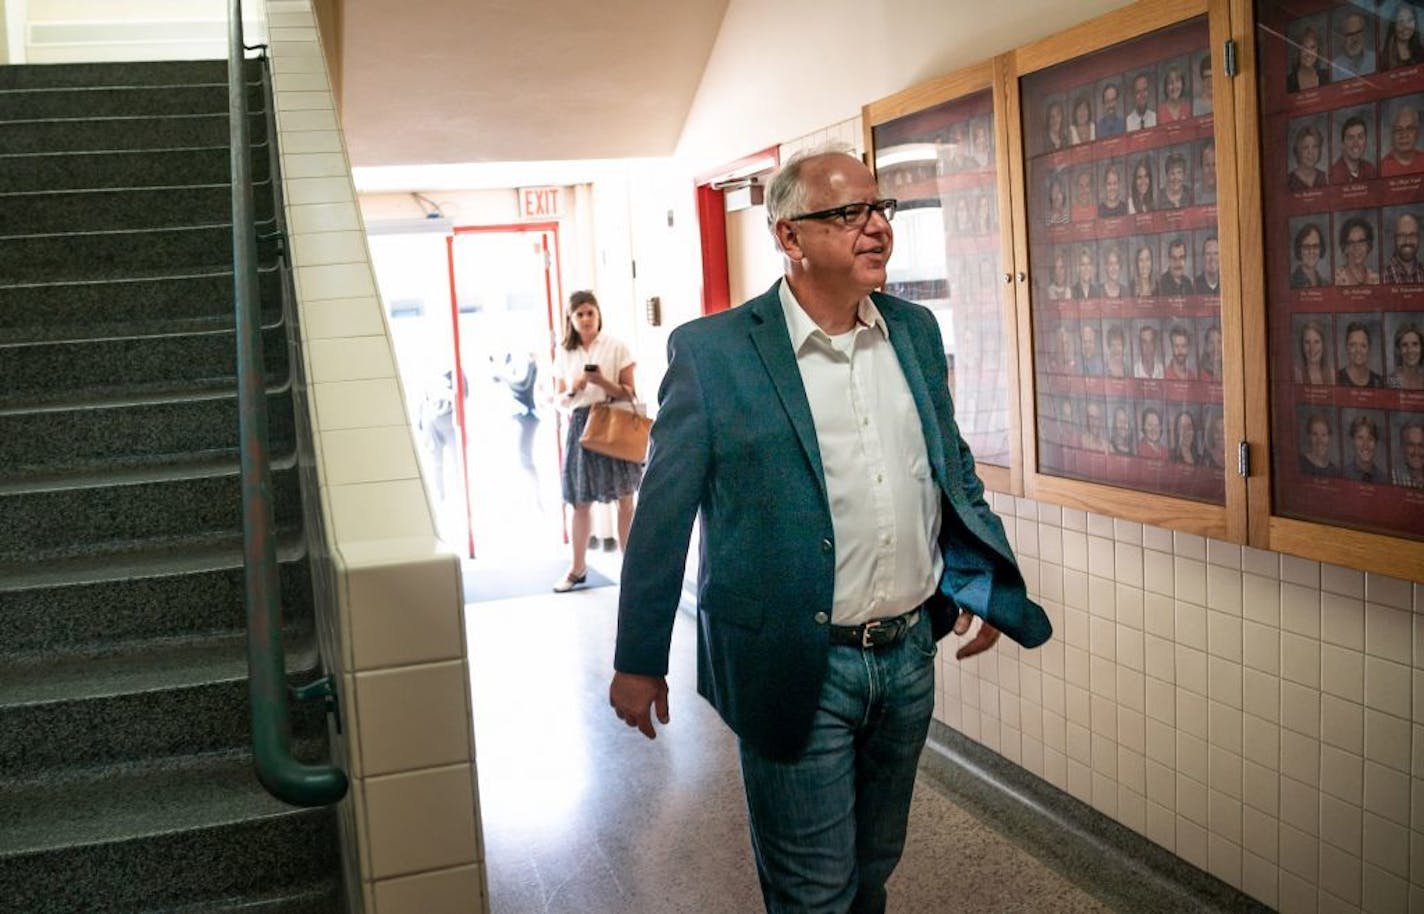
[885,506]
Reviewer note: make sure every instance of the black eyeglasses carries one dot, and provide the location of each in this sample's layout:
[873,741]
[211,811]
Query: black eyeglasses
[852,214]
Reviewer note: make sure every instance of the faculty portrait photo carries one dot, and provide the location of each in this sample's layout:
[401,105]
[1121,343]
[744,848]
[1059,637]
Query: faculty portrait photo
[1400,246]
[1364,453]
[1176,188]
[1307,151]
[1142,99]
[1353,43]
[1352,131]
[1406,440]
[1358,255]
[1360,354]
[1401,46]
[1318,450]
[1174,103]
[1399,137]
[1313,361]
[1307,67]
[1405,331]
[1311,252]
[1201,83]
[1112,189]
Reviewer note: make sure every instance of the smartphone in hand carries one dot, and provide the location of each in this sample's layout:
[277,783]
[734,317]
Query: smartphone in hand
[590,367]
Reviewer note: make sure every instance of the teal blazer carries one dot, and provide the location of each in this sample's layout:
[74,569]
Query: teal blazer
[734,442]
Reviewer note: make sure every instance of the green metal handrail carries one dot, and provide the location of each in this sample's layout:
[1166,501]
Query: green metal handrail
[284,777]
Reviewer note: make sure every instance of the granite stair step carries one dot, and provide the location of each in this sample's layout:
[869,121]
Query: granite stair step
[127,168]
[193,835]
[125,430]
[77,605]
[73,515]
[128,306]
[122,208]
[56,371]
[131,73]
[111,254]
[120,101]
[95,134]
[321,899]
[146,700]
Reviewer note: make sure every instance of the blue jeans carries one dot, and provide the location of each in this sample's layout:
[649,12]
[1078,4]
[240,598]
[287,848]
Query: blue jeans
[828,827]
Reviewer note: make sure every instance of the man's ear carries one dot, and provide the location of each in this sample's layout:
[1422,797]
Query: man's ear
[788,238]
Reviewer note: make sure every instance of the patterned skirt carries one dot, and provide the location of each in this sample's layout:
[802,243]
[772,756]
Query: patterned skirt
[594,477]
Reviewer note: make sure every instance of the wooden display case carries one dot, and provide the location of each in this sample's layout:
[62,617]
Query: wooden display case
[1330,97]
[1129,320]
[940,149]
[1237,355]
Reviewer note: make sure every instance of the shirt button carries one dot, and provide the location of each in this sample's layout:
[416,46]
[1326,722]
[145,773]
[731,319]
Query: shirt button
[822,618]
[865,421]
[879,477]
[885,539]
[826,546]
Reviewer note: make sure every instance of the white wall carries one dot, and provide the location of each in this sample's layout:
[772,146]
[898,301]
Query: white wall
[788,68]
[87,30]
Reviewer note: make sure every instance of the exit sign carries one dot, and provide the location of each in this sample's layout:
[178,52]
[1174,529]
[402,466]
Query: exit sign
[541,203]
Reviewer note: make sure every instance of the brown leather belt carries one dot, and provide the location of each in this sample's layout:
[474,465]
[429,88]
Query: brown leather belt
[877,632]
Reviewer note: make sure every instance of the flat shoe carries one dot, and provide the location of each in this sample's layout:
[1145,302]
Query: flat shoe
[570,581]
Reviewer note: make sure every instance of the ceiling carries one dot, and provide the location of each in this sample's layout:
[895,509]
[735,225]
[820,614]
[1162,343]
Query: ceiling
[445,81]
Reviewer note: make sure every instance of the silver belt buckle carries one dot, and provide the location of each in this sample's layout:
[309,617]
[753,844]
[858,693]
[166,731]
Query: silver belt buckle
[867,632]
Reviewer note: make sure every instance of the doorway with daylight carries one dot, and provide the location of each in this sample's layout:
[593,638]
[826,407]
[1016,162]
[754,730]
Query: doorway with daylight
[482,304]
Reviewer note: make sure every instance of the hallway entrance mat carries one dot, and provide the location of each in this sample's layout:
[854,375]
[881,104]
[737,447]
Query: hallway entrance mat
[503,581]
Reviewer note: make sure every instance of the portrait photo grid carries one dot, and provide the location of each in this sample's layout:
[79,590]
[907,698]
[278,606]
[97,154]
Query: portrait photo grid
[1126,300]
[939,163]
[1342,93]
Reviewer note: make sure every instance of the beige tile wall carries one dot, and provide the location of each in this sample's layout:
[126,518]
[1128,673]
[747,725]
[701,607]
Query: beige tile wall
[1259,715]
[411,830]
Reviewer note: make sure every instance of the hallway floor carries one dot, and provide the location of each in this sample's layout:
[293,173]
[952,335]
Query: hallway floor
[584,816]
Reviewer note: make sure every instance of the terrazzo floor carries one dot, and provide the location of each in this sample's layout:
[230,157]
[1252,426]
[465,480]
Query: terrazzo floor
[584,816]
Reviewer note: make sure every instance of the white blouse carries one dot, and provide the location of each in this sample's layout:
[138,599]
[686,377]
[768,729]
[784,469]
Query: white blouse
[611,356]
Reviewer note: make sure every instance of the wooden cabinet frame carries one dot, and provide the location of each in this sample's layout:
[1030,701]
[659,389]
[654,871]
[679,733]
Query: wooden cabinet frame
[1384,554]
[988,75]
[1247,513]
[1229,520]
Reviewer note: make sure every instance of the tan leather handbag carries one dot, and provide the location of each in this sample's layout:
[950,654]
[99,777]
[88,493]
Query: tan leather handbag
[617,432]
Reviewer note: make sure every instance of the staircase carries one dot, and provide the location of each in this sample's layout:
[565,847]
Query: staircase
[126,781]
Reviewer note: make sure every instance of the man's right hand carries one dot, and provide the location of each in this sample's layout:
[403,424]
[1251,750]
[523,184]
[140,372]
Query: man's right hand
[634,698]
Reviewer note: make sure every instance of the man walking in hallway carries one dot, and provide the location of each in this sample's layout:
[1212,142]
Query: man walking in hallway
[844,530]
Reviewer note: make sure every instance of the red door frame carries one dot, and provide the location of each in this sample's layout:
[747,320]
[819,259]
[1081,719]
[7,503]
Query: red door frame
[551,266]
[712,222]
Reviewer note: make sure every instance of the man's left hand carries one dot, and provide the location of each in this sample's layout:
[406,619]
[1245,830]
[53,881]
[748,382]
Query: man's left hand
[982,640]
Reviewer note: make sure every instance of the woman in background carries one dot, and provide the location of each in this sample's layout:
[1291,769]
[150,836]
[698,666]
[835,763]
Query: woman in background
[591,367]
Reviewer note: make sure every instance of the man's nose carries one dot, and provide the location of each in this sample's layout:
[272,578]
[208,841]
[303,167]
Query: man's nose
[878,223]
